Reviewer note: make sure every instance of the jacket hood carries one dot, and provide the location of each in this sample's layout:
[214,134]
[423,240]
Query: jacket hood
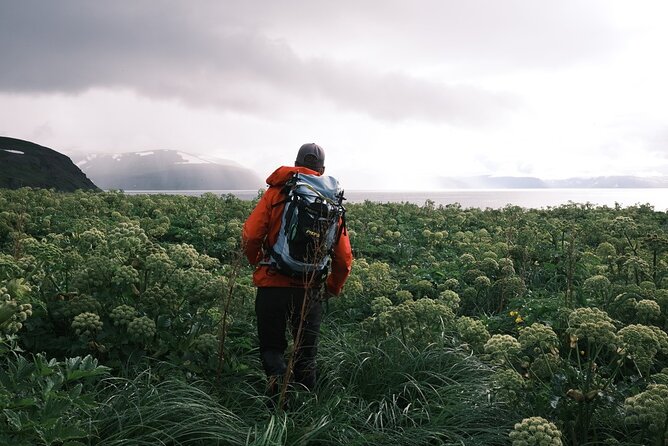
[281,175]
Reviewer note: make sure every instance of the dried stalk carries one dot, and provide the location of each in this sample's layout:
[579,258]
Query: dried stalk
[297,339]
[236,265]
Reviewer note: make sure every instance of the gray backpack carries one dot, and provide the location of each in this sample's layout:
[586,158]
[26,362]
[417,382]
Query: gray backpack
[309,226]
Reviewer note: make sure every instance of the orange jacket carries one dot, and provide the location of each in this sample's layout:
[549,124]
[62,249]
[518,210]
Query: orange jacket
[260,232]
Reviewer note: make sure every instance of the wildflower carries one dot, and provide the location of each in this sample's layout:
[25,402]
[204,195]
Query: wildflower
[597,286]
[380,304]
[207,344]
[641,344]
[538,336]
[505,263]
[450,298]
[647,310]
[648,409]
[451,284]
[66,310]
[592,324]
[122,315]
[472,332]
[544,366]
[141,328]
[402,296]
[86,324]
[535,431]
[482,282]
[12,314]
[508,385]
[502,347]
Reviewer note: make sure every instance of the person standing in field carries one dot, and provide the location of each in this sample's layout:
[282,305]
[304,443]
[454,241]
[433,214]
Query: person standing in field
[296,238]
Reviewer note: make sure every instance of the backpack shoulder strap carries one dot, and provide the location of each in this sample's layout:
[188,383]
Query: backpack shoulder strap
[343,227]
[285,190]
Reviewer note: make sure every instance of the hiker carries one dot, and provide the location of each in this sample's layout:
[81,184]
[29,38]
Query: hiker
[286,287]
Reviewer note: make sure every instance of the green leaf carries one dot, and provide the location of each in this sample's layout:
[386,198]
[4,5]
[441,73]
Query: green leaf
[53,409]
[13,419]
[77,368]
[61,433]
[24,402]
[75,392]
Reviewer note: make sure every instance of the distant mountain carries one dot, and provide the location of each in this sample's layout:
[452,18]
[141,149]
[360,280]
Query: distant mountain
[492,182]
[166,170]
[23,163]
[628,182]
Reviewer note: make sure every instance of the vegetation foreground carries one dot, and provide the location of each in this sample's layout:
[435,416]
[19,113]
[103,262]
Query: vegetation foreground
[129,320]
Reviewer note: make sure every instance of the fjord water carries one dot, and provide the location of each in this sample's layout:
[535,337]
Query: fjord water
[484,198]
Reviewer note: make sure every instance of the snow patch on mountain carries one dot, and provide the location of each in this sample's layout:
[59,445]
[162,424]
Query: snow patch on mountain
[190,159]
[17,152]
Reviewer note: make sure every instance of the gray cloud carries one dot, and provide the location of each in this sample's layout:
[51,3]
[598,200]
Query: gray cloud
[220,54]
[503,35]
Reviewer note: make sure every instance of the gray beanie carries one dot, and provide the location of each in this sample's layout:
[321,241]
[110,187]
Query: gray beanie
[311,155]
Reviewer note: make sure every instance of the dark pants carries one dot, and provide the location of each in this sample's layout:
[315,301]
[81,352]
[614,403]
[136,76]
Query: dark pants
[274,307]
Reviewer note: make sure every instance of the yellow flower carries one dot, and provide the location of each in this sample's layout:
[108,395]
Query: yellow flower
[519,319]
[513,313]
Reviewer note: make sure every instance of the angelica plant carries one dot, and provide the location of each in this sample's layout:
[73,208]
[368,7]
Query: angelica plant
[402,296]
[544,366]
[538,339]
[599,289]
[640,344]
[535,431]
[649,411]
[472,332]
[450,298]
[593,341]
[122,315]
[503,349]
[12,314]
[207,344]
[508,385]
[647,311]
[142,329]
[593,326]
[451,284]
[380,304]
[86,324]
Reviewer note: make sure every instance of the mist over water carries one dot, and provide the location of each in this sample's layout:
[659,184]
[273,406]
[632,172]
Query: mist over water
[488,198]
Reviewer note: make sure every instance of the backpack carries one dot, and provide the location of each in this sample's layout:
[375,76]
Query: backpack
[309,226]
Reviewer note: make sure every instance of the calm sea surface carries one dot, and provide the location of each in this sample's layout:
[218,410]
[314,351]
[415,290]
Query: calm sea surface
[487,198]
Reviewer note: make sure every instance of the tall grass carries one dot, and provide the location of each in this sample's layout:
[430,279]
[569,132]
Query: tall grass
[367,395]
[171,412]
[407,395]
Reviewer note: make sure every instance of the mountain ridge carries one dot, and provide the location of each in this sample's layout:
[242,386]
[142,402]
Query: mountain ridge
[166,169]
[27,164]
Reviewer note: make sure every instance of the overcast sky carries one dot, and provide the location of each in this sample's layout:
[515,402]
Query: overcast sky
[397,92]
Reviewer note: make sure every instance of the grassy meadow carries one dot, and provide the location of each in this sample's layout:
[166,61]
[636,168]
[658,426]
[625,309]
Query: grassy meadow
[130,320]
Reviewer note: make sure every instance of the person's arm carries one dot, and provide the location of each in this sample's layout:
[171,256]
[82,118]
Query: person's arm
[255,230]
[342,260]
